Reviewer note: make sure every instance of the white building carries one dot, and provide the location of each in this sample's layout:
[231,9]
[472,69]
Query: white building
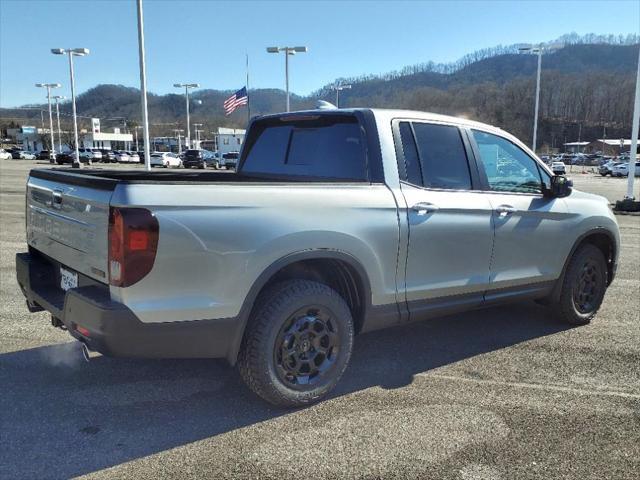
[225,140]
[107,140]
[30,139]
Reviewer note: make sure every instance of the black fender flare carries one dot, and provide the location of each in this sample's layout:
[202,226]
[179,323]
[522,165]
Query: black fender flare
[555,294]
[271,270]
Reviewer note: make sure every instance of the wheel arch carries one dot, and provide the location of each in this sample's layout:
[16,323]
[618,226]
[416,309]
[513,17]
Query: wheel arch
[602,238]
[338,269]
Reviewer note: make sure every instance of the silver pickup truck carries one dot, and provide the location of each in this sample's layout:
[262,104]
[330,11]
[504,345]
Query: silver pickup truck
[337,222]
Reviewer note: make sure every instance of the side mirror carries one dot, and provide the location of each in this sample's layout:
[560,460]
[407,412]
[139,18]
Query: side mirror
[561,186]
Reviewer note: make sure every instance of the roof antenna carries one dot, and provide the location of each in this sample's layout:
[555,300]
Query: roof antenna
[322,105]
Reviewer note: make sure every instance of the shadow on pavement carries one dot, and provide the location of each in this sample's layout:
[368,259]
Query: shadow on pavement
[63,418]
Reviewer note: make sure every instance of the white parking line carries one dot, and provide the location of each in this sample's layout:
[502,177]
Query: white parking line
[534,386]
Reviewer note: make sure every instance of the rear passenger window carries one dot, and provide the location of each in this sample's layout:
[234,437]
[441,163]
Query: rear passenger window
[411,160]
[442,156]
[323,147]
[435,156]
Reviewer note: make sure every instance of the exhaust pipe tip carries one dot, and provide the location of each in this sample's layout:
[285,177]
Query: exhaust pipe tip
[85,352]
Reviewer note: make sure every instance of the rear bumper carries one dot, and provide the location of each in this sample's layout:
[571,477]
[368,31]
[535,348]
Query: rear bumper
[111,328]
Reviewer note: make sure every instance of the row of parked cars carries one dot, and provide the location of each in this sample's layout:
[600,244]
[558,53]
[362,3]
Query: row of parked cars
[618,168]
[16,154]
[188,159]
[614,166]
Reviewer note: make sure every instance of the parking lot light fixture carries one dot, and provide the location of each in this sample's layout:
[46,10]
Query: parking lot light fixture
[186,87]
[338,88]
[287,51]
[71,52]
[57,98]
[49,86]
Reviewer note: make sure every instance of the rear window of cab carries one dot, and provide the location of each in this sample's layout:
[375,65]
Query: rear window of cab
[315,146]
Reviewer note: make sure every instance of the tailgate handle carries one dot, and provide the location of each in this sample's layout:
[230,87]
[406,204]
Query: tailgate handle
[56,199]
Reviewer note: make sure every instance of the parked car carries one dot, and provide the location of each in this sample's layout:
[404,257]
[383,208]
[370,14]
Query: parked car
[134,157]
[165,159]
[97,154]
[121,156]
[230,160]
[108,156]
[558,168]
[19,154]
[212,159]
[622,170]
[4,155]
[194,158]
[65,157]
[89,155]
[325,231]
[607,168]
[46,155]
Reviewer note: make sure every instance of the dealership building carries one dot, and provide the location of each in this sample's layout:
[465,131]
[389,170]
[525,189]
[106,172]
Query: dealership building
[30,138]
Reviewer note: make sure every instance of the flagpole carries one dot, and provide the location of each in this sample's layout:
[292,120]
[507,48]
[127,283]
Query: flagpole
[248,100]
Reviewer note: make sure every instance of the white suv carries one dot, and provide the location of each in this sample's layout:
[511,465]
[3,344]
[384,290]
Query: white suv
[559,168]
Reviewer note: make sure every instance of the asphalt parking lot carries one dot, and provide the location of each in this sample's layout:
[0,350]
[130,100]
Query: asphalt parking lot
[503,393]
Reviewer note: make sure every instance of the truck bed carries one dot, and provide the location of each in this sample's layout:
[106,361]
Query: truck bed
[108,179]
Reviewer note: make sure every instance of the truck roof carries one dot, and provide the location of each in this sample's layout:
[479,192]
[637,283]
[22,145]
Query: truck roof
[390,114]
[386,115]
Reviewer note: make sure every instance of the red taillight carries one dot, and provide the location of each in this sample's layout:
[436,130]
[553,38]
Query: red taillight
[133,241]
[83,331]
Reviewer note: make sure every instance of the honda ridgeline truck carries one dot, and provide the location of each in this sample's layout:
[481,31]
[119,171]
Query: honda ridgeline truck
[337,222]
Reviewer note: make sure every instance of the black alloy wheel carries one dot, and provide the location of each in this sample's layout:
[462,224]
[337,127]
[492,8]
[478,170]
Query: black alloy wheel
[588,286]
[297,343]
[307,346]
[583,286]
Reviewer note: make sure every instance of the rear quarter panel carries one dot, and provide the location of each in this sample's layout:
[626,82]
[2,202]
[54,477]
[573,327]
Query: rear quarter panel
[215,240]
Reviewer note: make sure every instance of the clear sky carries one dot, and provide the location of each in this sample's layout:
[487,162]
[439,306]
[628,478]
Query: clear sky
[206,41]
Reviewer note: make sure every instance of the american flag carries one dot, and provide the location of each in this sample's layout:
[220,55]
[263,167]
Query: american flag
[234,101]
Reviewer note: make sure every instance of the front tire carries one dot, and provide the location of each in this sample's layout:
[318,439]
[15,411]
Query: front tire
[297,344]
[583,287]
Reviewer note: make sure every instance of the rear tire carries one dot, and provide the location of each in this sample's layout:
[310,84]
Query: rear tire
[583,286]
[297,343]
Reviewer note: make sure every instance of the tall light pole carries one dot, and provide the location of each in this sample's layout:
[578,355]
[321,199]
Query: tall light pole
[71,52]
[338,88]
[187,86]
[135,131]
[49,86]
[57,98]
[287,51]
[634,137]
[178,131]
[537,50]
[143,86]
[196,125]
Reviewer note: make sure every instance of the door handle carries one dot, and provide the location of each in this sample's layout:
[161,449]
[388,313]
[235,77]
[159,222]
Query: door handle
[505,210]
[422,208]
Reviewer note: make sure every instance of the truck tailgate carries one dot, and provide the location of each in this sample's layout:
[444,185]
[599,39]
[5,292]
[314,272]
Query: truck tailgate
[69,223]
